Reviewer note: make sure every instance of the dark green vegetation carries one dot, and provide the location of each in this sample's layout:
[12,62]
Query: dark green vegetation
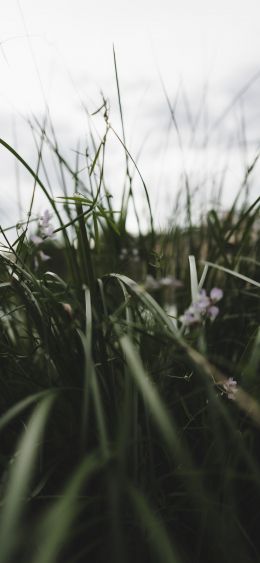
[119,441]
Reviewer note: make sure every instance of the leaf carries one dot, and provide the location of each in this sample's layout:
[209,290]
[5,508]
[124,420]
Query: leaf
[20,478]
[150,395]
[64,512]
[96,157]
[14,411]
[232,273]
[193,280]
[158,537]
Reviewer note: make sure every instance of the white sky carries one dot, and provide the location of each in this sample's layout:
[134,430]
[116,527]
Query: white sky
[69,57]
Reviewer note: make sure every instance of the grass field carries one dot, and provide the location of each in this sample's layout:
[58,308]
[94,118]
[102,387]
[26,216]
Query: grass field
[129,376]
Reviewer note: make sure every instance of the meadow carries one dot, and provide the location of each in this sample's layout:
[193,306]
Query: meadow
[129,374]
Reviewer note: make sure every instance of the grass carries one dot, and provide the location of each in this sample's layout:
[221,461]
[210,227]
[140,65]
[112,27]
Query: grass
[118,437]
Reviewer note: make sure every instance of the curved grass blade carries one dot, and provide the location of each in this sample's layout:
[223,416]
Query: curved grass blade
[14,411]
[149,302]
[20,478]
[232,273]
[157,534]
[64,512]
[45,191]
[91,385]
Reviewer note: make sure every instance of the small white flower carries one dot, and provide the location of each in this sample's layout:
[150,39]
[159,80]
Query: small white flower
[230,387]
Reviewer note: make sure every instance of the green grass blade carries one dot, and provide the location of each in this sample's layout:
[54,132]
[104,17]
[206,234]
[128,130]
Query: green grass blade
[193,279]
[154,402]
[14,411]
[232,273]
[20,478]
[56,525]
[158,537]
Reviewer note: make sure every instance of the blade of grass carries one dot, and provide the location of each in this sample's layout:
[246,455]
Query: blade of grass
[193,279]
[232,273]
[158,537]
[14,411]
[52,537]
[20,478]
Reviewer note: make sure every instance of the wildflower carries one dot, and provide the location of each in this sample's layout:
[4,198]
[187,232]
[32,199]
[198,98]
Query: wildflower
[230,387]
[212,312]
[190,317]
[202,303]
[216,294]
[45,229]
[203,308]
[45,225]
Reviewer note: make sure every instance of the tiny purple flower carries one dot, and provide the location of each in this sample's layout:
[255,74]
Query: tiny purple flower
[212,312]
[203,308]
[216,294]
[45,218]
[203,303]
[190,317]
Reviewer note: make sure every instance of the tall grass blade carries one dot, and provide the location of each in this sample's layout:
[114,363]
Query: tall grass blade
[157,536]
[56,526]
[155,404]
[232,273]
[20,478]
[19,407]
[193,279]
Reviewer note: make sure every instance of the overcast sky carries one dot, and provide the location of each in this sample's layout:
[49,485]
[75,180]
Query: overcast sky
[206,53]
